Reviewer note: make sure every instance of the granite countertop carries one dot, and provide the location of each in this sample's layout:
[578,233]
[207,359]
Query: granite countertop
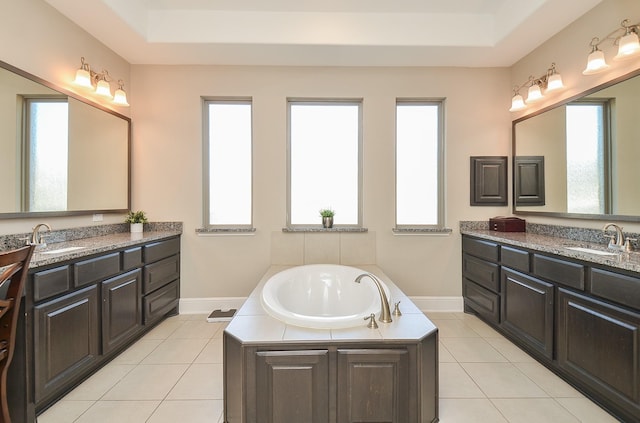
[557,245]
[95,245]
[252,324]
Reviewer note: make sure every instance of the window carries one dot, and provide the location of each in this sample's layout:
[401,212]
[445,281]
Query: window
[419,164]
[324,161]
[587,153]
[47,154]
[227,163]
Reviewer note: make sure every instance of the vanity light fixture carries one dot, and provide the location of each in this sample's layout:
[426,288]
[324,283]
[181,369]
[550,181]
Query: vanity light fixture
[85,77]
[625,37]
[550,81]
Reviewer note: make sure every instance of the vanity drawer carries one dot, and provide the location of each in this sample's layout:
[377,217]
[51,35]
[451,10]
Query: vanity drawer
[131,258]
[481,272]
[622,289]
[481,300]
[91,270]
[159,250]
[160,273]
[160,302]
[49,283]
[479,248]
[560,271]
[515,258]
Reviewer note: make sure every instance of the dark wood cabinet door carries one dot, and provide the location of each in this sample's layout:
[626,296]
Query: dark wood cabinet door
[66,332]
[292,386]
[373,386]
[527,310]
[599,344]
[121,309]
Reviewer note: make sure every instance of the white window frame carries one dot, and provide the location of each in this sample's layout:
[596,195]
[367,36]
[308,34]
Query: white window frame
[440,174]
[206,166]
[322,101]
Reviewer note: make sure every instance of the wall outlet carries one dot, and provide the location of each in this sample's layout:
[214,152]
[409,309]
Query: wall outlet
[97,217]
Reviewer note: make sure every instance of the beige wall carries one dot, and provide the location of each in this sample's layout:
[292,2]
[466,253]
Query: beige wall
[38,40]
[569,50]
[168,162]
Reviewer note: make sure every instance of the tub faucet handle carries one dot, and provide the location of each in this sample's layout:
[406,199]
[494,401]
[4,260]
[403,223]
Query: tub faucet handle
[396,310]
[372,321]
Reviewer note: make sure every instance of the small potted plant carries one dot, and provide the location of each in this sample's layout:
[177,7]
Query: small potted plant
[327,217]
[136,219]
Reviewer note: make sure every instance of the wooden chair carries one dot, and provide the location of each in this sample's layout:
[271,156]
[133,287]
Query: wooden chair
[14,266]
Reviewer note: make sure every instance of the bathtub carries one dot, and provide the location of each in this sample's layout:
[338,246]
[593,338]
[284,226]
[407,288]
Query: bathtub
[321,296]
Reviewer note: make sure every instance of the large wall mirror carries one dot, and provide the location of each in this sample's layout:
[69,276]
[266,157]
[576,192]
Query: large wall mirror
[581,158]
[59,155]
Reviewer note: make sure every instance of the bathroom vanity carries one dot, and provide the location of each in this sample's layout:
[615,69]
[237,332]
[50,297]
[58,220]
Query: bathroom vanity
[85,301]
[276,372]
[574,307]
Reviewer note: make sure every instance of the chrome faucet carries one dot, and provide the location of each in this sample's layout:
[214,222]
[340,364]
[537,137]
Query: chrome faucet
[385,313]
[618,241]
[36,237]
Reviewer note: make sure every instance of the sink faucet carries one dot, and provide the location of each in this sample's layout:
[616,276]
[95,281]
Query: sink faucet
[385,314]
[36,237]
[618,241]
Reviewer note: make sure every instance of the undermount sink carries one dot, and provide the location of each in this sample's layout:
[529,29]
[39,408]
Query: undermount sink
[62,250]
[591,251]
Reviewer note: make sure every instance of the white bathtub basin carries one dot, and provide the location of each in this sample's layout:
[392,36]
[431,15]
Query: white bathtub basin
[322,296]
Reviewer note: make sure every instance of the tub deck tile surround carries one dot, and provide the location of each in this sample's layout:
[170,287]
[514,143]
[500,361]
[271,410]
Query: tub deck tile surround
[252,324]
[556,240]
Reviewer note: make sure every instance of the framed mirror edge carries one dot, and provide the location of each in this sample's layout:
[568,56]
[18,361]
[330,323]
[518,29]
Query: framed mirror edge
[603,217]
[68,213]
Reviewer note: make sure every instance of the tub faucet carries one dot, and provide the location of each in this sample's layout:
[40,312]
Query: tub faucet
[385,314]
[618,241]
[36,238]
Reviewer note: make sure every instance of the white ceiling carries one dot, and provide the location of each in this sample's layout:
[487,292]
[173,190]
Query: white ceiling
[470,33]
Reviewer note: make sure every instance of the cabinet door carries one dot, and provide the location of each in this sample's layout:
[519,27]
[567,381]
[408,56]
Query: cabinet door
[599,344]
[66,331]
[121,309]
[292,386]
[373,386]
[527,310]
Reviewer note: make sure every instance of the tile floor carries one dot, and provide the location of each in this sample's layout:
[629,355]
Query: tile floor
[174,374]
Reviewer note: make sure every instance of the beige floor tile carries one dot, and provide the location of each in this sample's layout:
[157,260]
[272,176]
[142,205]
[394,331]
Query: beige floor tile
[196,329]
[586,411]
[147,382]
[472,350]
[65,411]
[98,384]
[212,352]
[502,380]
[176,351]
[200,381]
[164,329]
[137,352]
[469,411]
[454,328]
[482,328]
[192,316]
[456,383]
[510,350]
[119,411]
[533,410]
[444,356]
[549,382]
[188,411]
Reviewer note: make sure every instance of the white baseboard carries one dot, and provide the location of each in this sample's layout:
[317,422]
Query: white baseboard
[448,304]
[207,305]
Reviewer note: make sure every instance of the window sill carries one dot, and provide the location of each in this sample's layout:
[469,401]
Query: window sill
[224,231]
[319,229]
[422,231]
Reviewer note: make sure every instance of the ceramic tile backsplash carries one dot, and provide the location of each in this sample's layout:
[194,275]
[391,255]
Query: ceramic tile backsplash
[321,248]
[358,248]
[287,248]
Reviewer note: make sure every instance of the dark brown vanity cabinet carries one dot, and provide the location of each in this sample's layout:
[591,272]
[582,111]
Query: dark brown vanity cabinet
[580,319]
[85,311]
